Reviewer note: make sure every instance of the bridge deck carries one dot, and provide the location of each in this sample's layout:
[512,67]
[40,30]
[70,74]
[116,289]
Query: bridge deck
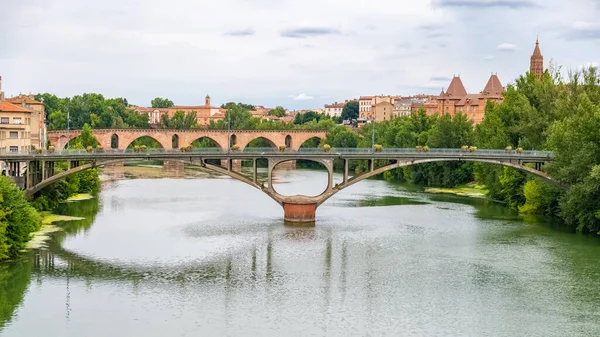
[250,153]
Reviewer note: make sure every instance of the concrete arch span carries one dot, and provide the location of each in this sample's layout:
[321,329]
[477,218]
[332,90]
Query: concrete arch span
[349,182]
[94,164]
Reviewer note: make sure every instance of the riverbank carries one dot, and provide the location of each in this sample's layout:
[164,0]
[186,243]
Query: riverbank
[471,191]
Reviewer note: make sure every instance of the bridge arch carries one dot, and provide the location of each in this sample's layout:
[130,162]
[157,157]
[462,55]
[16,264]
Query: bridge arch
[62,175]
[400,164]
[165,141]
[114,141]
[321,164]
[262,141]
[174,141]
[207,141]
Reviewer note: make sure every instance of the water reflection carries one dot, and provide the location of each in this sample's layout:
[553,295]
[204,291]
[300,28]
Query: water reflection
[219,261]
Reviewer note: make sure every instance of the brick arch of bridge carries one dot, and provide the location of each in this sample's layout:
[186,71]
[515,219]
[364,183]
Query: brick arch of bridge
[399,164]
[277,138]
[295,138]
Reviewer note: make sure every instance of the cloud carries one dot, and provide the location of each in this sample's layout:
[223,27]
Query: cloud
[302,97]
[241,32]
[304,32]
[582,30]
[440,78]
[506,47]
[483,4]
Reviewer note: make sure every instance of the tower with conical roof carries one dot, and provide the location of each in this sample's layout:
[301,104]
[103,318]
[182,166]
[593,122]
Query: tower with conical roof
[537,61]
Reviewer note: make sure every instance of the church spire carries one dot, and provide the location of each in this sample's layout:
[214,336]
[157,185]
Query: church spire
[536,66]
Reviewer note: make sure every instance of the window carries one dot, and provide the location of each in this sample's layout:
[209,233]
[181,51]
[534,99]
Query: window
[4,120]
[14,135]
[14,148]
[16,120]
[474,108]
[460,109]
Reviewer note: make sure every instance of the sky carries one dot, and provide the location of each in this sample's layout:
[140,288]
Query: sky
[298,54]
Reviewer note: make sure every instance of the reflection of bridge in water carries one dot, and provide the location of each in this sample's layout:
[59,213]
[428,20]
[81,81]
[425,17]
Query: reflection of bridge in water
[298,208]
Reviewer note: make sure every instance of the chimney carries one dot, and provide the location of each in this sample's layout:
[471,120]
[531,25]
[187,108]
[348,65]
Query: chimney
[1,92]
[207,101]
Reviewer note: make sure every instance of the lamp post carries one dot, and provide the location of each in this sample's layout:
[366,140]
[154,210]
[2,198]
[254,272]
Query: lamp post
[68,129]
[228,130]
[373,134]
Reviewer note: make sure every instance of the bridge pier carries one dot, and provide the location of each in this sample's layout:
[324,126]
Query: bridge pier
[299,212]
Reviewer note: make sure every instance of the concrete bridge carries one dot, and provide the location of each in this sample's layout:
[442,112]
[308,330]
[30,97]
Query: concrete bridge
[292,139]
[40,167]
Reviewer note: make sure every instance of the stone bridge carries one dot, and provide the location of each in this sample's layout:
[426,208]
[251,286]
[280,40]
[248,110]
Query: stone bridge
[40,170]
[292,139]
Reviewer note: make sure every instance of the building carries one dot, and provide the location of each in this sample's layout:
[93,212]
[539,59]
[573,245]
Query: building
[204,113]
[16,128]
[1,92]
[536,65]
[38,117]
[456,99]
[335,109]
[367,107]
[402,108]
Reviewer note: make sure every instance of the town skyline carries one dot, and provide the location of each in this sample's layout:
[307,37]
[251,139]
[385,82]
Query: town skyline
[301,59]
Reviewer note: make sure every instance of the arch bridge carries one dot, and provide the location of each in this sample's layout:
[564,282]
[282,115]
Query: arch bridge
[40,171]
[169,138]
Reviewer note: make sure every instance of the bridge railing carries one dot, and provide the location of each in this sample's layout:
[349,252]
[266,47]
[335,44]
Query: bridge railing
[270,150]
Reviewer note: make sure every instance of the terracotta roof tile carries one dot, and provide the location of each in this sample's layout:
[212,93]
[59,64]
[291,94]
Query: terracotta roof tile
[456,89]
[23,99]
[9,107]
[493,87]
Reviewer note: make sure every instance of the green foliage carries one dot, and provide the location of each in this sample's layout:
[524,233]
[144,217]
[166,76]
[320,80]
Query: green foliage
[92,109]
[302,118]
[179,121]
[279,111]
[86,138]
[350,110]
[242,106]
[163,103]
[17,219]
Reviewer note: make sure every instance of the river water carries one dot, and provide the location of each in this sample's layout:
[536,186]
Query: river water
[212,257]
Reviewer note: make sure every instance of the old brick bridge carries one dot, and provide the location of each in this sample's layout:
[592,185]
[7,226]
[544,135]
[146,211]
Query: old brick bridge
[39,167]
[168,139]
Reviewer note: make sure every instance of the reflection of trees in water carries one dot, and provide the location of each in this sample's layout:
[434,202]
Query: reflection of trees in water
[14,279]
[16,276]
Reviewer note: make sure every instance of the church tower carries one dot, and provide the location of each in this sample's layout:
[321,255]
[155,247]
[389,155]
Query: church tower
[537,61]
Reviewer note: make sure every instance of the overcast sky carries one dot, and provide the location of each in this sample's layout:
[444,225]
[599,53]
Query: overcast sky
[295,53]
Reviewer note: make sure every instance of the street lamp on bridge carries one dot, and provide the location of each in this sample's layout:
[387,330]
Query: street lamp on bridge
[373,134]
[228,130]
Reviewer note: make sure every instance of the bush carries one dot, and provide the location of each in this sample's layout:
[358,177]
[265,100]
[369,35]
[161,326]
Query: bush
[136,148]
[51,148]
[235,147]
[326,147]
[38,151]
[419,148]
[89,149]
[17,219]
[473,149]
[465,148]
[425,148]
[508,149]
[143,148]
[377,147]
[519,150]
[99,148]
[282,148]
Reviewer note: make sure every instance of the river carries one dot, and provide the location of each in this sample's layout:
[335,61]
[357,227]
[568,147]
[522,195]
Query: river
[212,257]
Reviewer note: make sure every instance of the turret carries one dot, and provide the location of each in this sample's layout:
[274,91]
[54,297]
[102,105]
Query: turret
[207,100]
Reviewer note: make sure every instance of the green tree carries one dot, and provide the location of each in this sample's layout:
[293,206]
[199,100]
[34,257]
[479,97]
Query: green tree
[350,110]
[161,103]
[87,138]
[179,121]
[17,219]
[279,111]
